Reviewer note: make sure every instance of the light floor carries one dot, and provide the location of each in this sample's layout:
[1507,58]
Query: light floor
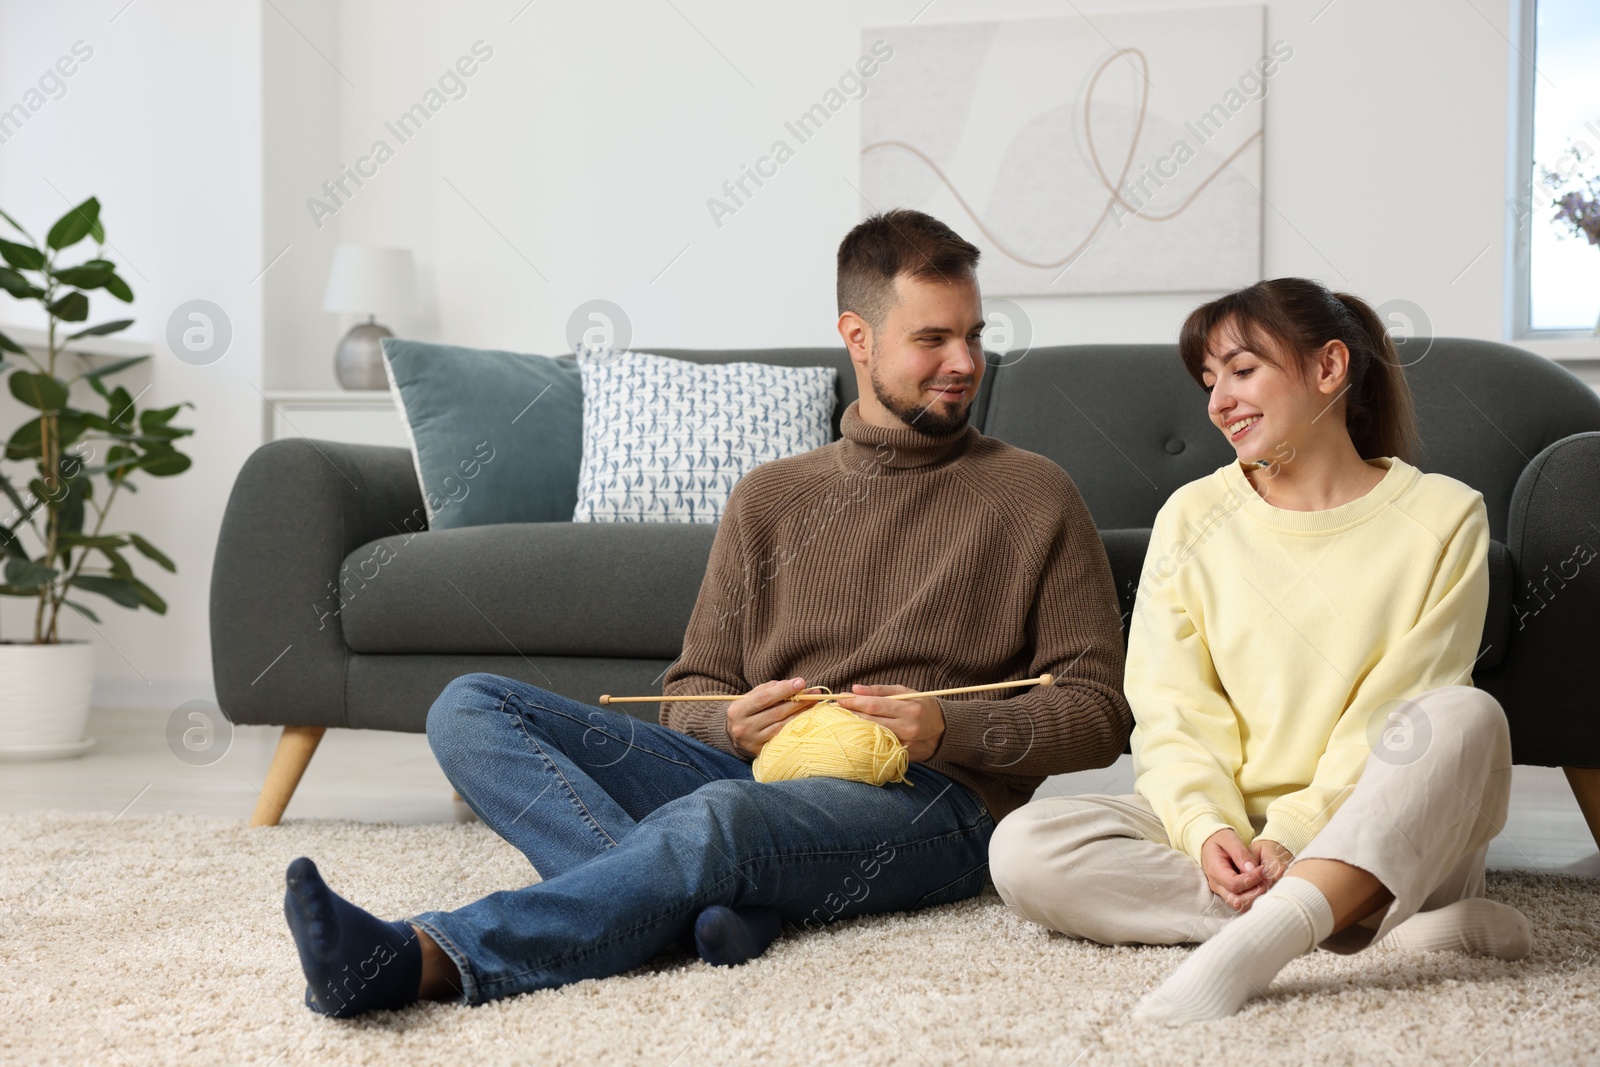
[386,777]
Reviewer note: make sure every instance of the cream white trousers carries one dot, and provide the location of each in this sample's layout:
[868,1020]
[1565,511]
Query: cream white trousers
[1419,819]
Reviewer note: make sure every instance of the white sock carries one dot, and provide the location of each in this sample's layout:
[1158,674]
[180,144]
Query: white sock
[1288,920]
[1476,926]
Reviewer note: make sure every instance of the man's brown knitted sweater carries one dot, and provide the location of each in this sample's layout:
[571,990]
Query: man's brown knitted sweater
[894,557]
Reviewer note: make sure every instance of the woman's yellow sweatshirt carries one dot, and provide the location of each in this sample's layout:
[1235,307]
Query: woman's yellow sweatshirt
[1268,648]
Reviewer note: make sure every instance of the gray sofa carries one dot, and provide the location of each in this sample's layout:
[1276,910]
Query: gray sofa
[332,605]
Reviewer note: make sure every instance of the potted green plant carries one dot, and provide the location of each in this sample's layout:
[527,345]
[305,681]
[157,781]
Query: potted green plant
[45,682]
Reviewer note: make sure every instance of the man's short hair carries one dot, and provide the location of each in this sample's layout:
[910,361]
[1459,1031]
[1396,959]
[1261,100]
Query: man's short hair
[884,246]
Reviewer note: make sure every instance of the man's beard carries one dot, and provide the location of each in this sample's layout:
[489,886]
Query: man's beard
[924,418]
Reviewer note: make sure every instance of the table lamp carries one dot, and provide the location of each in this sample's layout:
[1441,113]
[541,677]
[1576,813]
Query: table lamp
[368,281]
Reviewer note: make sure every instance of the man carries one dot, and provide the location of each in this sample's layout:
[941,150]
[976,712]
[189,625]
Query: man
[913,552]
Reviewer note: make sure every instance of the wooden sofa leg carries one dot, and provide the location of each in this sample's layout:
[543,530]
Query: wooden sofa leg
[295,749]
[1585,782]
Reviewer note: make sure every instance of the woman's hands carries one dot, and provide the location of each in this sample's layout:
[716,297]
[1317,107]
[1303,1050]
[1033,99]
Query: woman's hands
[1231,870]
[1272,858]
[1239,873]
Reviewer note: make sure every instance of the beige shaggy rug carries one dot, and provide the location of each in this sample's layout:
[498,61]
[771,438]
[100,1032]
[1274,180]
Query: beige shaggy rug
[161,940]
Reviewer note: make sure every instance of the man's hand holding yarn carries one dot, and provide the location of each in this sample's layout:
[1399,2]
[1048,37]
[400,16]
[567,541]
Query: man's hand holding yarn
[755,718]
[919,724]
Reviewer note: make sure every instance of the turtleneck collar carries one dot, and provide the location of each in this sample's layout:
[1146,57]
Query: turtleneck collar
[898,447]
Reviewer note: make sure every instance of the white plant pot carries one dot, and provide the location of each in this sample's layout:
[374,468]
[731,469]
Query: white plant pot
[44,699]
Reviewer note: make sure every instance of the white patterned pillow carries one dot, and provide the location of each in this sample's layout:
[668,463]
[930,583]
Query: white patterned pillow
[664,440]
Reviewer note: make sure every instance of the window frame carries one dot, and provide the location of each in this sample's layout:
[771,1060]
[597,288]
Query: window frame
[1519,273]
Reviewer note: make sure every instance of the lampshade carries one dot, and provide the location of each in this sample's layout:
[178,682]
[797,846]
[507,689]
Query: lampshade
[371,281]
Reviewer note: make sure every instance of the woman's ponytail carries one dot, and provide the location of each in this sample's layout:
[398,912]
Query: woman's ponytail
[1378,408]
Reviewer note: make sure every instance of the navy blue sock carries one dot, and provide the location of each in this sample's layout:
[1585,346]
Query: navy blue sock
[354,961]
[727,936]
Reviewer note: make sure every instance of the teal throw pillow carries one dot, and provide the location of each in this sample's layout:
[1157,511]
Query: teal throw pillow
[495,436]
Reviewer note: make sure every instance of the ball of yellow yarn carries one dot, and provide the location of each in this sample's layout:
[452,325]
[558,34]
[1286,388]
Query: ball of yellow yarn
[828,740]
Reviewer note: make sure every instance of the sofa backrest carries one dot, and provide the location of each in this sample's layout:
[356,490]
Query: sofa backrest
[1130,425]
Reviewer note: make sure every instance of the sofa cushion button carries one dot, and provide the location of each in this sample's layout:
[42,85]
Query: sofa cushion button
[1174,446]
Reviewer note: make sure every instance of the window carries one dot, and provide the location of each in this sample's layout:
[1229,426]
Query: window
[1556,287]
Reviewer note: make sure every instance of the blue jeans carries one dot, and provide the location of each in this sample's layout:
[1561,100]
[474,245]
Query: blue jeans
[635,828]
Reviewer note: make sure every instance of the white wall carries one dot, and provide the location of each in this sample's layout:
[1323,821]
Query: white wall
[300,115]
[578,165]
[163,124]
[593,138]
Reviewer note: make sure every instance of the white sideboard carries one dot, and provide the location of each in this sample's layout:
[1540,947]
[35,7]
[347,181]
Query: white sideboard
[356,416]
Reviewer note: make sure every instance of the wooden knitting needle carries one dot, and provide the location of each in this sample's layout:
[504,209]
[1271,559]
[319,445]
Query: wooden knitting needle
[1043,679]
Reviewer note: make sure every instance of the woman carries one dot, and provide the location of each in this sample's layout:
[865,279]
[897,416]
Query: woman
[1312,765]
